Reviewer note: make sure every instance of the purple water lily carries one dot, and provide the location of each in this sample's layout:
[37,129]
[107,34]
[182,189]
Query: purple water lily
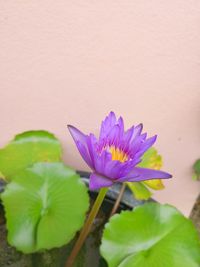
[114,156]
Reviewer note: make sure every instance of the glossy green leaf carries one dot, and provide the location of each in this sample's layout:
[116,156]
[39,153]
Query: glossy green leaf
[152,235]
[28,148]
[45,205]
[196,168]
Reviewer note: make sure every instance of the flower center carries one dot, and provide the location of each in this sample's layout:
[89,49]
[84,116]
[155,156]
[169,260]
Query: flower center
[118,154]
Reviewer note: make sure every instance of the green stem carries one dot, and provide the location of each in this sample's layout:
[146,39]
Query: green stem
[88,224]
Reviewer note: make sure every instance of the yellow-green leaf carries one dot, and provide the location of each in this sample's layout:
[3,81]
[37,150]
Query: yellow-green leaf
[140,191]
[152,160]
[155,184]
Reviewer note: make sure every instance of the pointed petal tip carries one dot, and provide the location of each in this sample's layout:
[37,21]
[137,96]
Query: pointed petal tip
[73,130]
[71,127]
[154,137]
[140,125]
[112,113]
[169,175]
[142,174]
[165,175]
[112,116]
[76,134]
[120,120]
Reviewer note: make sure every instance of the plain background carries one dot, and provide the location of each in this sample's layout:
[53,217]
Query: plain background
[73,61]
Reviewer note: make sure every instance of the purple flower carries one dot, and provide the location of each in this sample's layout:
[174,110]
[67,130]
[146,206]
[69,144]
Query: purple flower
[114,156]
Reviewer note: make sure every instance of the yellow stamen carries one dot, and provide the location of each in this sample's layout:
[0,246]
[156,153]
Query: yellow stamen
[118,154]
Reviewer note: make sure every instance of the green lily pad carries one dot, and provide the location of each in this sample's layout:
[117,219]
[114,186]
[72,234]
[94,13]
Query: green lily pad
[27,148]
[152,235]
[45,206]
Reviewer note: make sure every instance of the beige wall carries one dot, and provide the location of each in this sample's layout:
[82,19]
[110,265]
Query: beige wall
[74,61]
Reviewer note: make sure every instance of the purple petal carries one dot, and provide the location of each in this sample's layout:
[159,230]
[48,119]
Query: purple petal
[103,164]
[107,125]
[142,174]
[114,136]
[116,169]
[113,169]
[146,145]
[126,179]
[85,155]
[76,134]
[98,181]
[100,161]
[136,133]
[92,147]
[121,126]
[128,134]
[80,140]
[136,145]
